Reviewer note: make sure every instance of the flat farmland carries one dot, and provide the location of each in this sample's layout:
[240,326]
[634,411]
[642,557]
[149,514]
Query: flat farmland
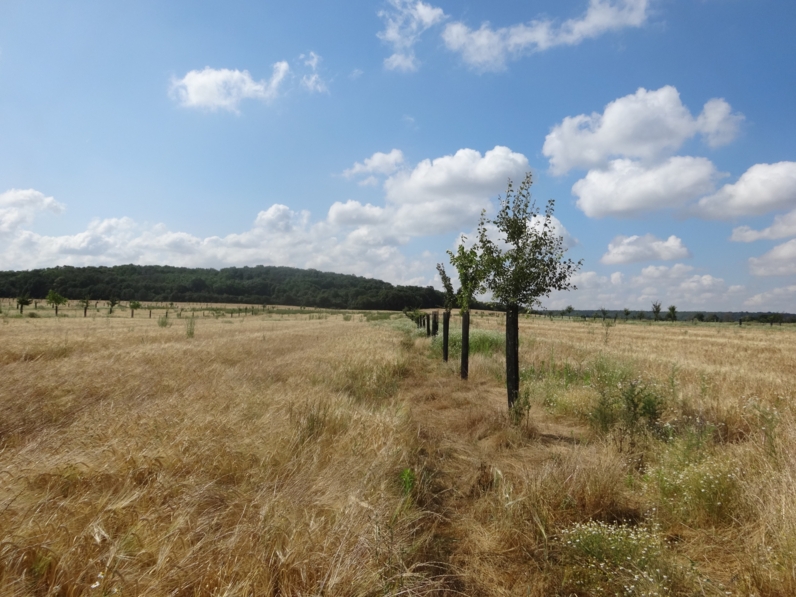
[323,453]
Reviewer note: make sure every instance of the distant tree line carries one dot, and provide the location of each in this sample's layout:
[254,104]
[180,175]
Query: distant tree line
[656,313]
[252,285]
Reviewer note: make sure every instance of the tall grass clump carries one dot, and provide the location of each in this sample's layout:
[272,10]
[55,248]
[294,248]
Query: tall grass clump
[484,342]
[190,327]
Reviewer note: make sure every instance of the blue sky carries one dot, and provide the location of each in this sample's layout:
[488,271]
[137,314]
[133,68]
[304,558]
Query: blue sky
[365,137]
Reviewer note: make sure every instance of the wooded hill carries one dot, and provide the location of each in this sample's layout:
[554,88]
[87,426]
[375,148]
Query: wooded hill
[253,285]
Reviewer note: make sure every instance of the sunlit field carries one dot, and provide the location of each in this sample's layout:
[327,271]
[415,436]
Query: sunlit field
[304,452]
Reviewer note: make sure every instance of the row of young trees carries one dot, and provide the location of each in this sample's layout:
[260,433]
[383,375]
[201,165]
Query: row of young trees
[519,258]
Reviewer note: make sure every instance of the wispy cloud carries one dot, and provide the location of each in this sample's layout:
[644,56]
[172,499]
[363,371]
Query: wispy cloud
[488,49]
[404,23]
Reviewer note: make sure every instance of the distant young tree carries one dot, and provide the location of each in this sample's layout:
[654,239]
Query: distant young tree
[55,300]
[85,303]
[626,313]
[569,311]
[671,315]
[603,312]
[112,302]
[525,264]
[699,317]
[656,311]
[448,305]
[133,306]
[469,266]
[22,302]
[641,316]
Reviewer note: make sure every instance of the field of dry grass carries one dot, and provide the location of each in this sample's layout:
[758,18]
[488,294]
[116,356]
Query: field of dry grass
[314,454]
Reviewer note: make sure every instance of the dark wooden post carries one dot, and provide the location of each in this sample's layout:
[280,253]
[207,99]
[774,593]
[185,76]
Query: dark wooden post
[446,325]
[465,344]
[513,353]
[435,323]
[428,324]
[150,314]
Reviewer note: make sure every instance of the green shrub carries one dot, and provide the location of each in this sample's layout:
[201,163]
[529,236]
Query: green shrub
[190,327]
[163,321]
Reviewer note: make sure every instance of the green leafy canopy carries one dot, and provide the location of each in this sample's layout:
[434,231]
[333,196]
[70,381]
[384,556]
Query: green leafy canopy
[527,262]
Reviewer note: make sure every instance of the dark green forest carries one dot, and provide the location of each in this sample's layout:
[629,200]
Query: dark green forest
[252,285]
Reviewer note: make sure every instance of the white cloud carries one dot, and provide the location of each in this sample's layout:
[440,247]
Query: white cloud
[353,213]
[779,261]
[627,188]
[777,299]
[224,89]
[312,82]
[378,163]
[784,226]
[761,189]
[449,192]
[631,249]
[488,49]
[647,125]
[404,22]
[19,207]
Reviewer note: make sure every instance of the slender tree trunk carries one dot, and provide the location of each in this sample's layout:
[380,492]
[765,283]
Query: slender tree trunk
[56,310]
[428,324]
[85,311]
[465,344]
[132,313]
[446,326]
[513,353]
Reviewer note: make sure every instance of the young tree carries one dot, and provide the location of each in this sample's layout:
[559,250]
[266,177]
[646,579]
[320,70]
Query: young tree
[133,306]
[112,302]
[471,275]
[22,302]
[656,311]
[85,303]
[569,311]
[525,264]
[449,304]
[603,312]
[626,313]
[672,313]
[55,300]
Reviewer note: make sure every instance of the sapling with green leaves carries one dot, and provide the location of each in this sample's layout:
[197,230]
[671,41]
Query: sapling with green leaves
[469,266]
[22,302]
[449,303]
[656,310]
[525,263]
[85,303]
[55,300]
[112,302]
[672,314]
[133,306]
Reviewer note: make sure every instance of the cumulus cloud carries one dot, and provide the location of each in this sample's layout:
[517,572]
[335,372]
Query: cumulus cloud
[779,299]
[404,23]
[224,89]
[627,188]
[784,226]
[449,192]
[488,49]
[762,188]
[647,125]
[779,261]
[631,249]
[19,207]
[378,163]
